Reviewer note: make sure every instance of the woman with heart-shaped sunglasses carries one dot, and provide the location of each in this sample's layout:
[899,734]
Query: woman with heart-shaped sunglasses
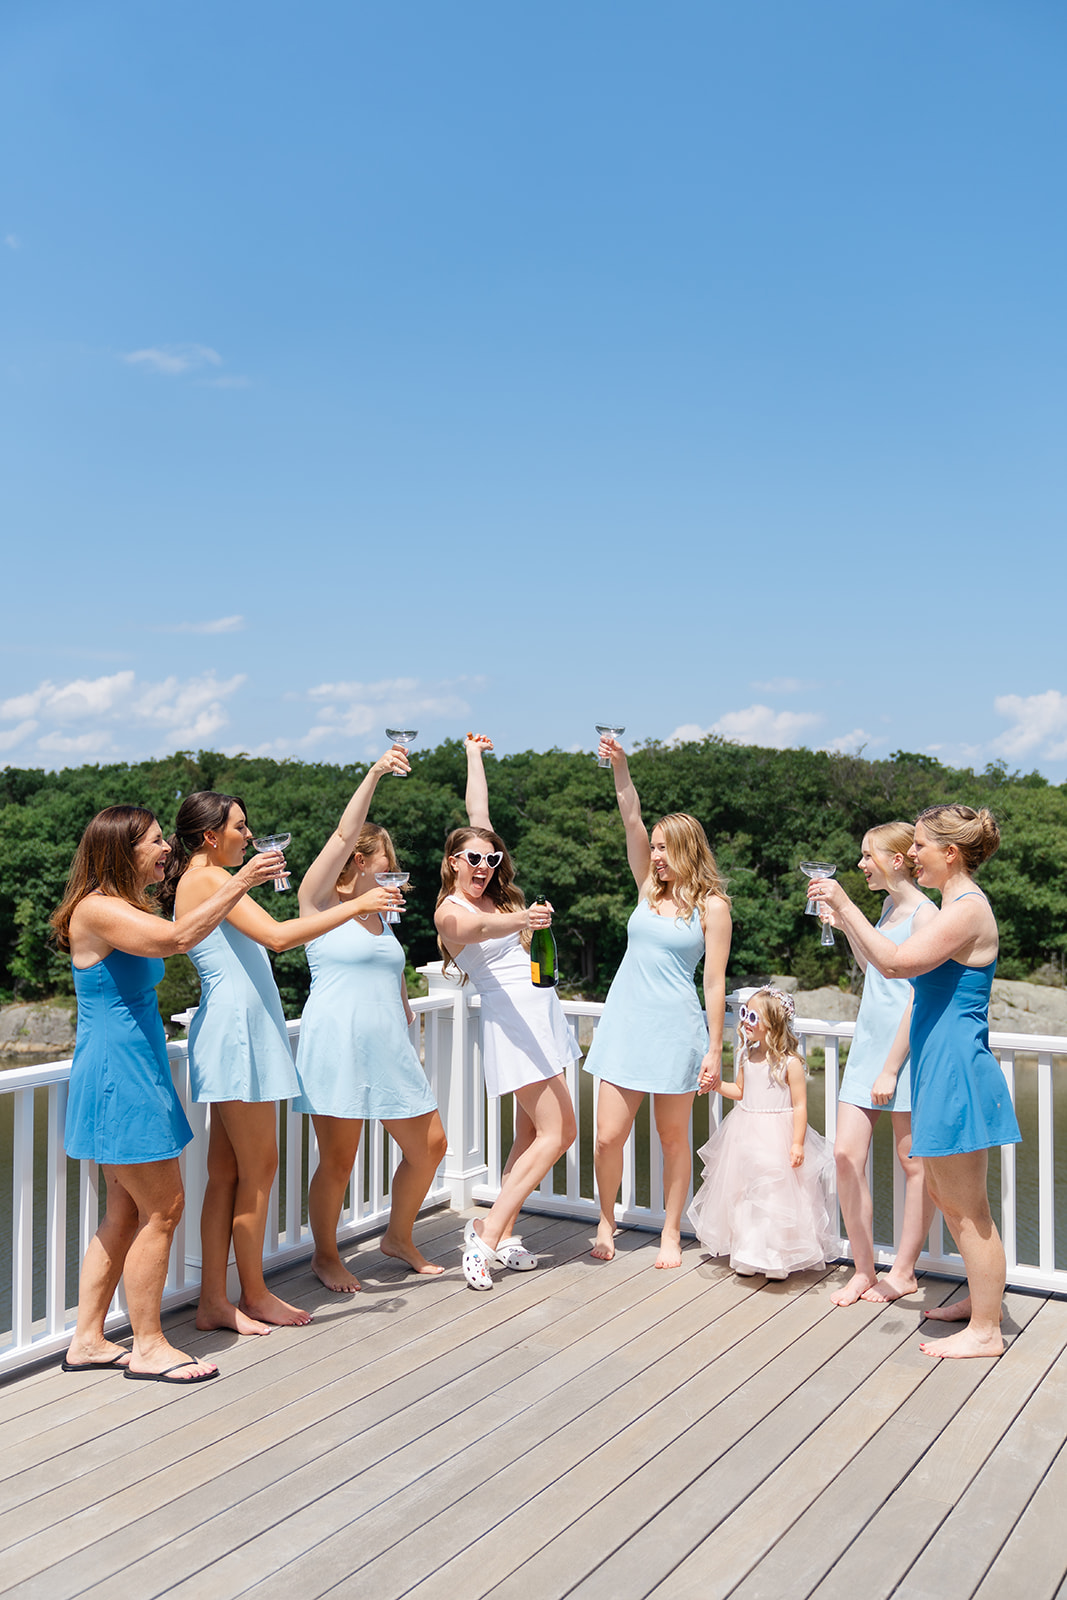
[484,925]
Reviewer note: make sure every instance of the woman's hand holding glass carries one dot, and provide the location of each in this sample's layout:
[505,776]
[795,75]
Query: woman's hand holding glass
[380,899]
[394,761]
[262,868]
[609,751]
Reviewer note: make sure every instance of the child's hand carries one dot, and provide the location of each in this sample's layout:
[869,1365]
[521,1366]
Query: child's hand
[883,1089]
[710,1073]
[796,1156]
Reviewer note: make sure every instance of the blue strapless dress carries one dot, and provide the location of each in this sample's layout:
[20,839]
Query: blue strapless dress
[959,1098]
[122,1108]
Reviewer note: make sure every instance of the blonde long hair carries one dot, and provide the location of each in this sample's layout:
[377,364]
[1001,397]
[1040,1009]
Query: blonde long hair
[778,1010]
[501,889]
[696,872]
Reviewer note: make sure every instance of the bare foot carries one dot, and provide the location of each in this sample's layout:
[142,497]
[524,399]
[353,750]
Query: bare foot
[221,1314]
[404,1250]
[604,1248]
[163,1355]
[268,1308]
[958,1311]
[334,1275]
[670,1250]
[884,1290]
[858,1287]
[965,1343]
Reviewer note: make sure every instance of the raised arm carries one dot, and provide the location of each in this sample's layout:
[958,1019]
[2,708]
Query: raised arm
[964,930]
[317,890]
[477,796]
[718,930]
[102,922]
[638,849]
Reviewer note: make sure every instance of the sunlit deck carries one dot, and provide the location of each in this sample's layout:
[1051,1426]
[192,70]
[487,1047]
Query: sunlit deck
[585,1429]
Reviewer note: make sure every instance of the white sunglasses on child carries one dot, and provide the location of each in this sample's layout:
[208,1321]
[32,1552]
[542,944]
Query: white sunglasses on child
[747,1017]
[492,858]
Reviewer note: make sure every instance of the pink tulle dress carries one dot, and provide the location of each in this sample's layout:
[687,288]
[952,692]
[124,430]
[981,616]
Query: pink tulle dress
[753,1206]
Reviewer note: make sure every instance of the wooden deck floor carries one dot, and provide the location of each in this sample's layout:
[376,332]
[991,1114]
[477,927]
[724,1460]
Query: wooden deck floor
[586,1430]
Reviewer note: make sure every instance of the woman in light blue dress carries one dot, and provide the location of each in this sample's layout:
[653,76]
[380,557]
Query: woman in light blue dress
[355,1060]
[122,1109]
[239,1056]
[960,1102]
[651,1038]
[878,1078]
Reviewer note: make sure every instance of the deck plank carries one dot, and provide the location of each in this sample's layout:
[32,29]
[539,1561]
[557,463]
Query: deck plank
[589,1430]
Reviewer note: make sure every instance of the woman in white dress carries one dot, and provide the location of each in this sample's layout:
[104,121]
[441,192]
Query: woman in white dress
[483,925]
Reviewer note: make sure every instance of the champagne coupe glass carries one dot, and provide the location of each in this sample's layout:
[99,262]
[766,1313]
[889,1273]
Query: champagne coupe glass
[608,730]
[392,880]
[406,737]
[274,841]
[819,869]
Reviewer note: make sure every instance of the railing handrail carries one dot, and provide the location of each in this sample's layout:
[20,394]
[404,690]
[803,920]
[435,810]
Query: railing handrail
[447,1030]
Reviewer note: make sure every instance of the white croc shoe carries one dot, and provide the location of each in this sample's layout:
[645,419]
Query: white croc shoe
[512,1253]
[477,1259]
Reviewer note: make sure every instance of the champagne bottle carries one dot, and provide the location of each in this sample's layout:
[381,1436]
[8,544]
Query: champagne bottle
[543,973]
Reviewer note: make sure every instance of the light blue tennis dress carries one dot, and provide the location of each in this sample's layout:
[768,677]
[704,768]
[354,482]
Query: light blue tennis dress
[355,1057]
[961,1099]
[121,1107]
[238,1046]
[652,1034]
[884,1002]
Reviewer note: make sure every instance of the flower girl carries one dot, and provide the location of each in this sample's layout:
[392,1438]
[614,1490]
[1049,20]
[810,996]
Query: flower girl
[767,1199]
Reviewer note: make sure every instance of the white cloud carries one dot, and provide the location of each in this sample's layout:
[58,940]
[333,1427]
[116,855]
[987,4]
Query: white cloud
[13,736]
[851,743]
[173,360]
[218,625]
[188,711]
[1039,719]
[754,725]
[12,241]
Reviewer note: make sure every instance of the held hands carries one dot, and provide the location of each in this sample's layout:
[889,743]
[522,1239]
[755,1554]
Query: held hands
[394,760]
[796,1155]
[710,1073]
[479,742]
[379,899]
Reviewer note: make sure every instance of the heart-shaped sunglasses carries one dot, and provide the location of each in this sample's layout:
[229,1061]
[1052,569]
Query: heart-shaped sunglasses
[492,858]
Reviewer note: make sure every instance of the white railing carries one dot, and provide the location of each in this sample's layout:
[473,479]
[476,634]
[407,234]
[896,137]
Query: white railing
[50,1227]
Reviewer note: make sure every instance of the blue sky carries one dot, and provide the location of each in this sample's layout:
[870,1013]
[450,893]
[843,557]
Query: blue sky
[692,365]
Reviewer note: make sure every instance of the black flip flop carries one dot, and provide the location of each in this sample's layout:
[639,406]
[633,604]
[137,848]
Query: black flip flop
[164,1376]
[116,1363]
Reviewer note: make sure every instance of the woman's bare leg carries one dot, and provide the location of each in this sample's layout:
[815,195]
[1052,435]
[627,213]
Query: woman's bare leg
[155,1189]
[915,1225]
[547,1105]
[855,1128]
[958,1186]
[100,1273]
[423,1143]
[615,1112]
[672,1113]
[248,1129]
[338,1141]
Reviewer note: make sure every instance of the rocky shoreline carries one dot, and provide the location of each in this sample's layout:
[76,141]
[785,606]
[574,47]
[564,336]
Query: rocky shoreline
[46,1027]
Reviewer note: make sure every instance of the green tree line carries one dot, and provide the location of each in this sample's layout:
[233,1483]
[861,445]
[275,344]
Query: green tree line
[764,811]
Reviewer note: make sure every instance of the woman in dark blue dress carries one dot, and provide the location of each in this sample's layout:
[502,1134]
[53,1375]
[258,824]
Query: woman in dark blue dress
[122,1110]
[960,1101]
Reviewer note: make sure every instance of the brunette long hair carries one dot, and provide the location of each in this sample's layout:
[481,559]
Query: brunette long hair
[501,889]
[200,813]
[104,861]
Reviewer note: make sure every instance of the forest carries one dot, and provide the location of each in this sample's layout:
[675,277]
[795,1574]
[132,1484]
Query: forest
[764,811]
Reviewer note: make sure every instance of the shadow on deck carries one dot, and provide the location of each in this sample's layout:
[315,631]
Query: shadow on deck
[586,1429]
